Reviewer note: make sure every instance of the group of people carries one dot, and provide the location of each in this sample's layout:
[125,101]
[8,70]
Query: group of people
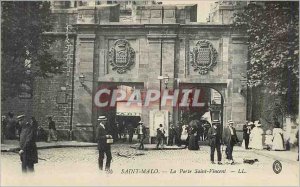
[216,140]
[122,131]
[11,128]
[178,135]
[29,155]
[183,134]
[189,136]
[253,137]
[105,138]
[28,133]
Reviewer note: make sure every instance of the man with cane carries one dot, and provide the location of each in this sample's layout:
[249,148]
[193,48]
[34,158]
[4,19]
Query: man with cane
[230,139]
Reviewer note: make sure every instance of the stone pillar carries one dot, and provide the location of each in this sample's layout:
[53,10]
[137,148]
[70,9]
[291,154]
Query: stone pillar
[83,97]
[154,71]
[228,93]
[162,59]
[177,53]
[238,57]
[168,59]
[224,112]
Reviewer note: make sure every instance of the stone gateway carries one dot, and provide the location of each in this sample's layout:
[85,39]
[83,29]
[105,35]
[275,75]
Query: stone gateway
[158,47]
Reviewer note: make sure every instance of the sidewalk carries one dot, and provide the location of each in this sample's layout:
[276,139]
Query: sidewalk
[153,147]
[287,156]
[13,145]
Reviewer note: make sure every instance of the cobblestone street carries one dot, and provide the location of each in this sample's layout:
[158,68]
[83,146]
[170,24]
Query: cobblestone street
[78,166]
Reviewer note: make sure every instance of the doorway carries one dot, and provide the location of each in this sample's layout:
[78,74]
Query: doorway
[205,105]
[121,116]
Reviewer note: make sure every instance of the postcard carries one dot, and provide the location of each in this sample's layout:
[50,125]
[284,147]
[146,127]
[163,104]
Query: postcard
[149,93]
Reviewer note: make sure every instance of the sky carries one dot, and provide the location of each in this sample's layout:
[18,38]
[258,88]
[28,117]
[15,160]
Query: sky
[203,7]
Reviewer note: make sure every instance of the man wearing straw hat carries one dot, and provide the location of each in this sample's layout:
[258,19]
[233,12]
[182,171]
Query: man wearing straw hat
[104,141]
[20,124]
[230,139]
[141,130]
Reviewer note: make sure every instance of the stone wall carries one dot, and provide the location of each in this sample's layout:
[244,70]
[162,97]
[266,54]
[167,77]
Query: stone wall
[157,14]
[53,95]
[172,45]
[63,17]
[159,47]
[222,12]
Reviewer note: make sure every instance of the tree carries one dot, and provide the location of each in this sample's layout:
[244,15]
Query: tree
[25,50]
[273,47]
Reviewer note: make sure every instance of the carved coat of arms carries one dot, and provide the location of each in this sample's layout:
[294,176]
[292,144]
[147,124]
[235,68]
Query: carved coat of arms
[203,57]
[121,56]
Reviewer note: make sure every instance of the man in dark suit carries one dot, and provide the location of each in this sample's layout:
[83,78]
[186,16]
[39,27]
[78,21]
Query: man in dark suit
[141,130]
[11,127]
[215,140]
[28,150]
[130,132]
[160,136]
[172,134]
[246,133]
[103,139]
[178,134]
[230,139]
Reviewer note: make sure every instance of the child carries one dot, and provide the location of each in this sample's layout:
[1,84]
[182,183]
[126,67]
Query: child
[269,139]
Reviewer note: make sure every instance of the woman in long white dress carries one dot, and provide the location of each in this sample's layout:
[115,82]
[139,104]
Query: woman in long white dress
[184,135]
[278,143]
[269,139]
[256,136]
[251,135]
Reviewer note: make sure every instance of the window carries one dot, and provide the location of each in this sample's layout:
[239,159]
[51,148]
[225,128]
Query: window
[62,97]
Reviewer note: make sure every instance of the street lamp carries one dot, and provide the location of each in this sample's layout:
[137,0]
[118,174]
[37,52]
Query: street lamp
[81,79]
[166,81]
[165,78]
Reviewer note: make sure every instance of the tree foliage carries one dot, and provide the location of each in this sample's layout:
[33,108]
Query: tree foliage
[25,50]
[273,47]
